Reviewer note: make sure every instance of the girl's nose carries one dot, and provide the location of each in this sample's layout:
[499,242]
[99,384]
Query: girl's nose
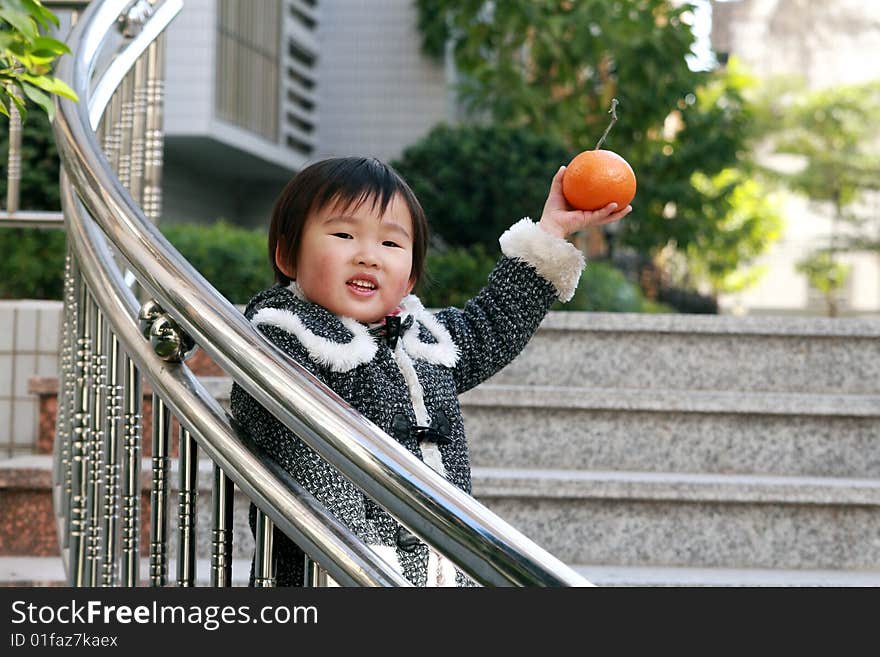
[367,257]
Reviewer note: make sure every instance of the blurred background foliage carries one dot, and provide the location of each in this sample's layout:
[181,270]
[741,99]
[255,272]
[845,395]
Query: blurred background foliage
[231,258]
[831,135]
[40,166]
[536,78]
[474,181]
[32,261]
[549,68]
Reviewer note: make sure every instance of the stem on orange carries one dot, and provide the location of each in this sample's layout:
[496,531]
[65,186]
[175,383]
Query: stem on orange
[613,113]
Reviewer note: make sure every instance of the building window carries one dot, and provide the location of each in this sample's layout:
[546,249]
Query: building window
[248,42]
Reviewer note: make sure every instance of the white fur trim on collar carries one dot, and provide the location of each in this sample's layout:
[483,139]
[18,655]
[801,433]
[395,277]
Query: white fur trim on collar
[554,258]
[443,352]
[389,555]
[338,356]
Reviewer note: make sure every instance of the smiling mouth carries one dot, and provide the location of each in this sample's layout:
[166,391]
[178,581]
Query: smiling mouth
[362,287]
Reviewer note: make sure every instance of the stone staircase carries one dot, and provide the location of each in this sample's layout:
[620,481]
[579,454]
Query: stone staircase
[690,450]
[664,450]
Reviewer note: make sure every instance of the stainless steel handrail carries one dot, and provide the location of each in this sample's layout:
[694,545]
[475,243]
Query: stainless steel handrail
[31,219]
[481,543]
[319,533]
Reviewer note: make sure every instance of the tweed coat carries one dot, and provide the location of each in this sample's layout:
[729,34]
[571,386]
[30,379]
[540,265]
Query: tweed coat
[410,391]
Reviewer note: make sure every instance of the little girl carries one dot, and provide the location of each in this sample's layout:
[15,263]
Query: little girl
[347,241]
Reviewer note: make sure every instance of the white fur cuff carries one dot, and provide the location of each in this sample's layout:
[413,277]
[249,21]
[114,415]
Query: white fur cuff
[389,556]
[554,258]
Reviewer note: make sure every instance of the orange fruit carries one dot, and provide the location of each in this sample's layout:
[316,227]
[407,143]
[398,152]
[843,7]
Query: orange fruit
[593,179]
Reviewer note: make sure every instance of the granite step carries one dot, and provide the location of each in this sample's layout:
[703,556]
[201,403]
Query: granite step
[786,434]
[696,431]
[621,520]
[649,519]
[693,352]
[622,576]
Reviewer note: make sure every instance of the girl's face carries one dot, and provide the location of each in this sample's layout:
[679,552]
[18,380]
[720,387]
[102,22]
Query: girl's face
[355,262]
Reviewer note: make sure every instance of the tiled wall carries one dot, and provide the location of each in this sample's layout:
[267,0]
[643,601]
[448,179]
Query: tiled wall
[29,332]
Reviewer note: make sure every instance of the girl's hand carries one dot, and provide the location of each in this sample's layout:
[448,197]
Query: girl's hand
[561,220]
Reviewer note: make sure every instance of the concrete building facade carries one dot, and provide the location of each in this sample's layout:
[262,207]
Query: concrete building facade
[257,90]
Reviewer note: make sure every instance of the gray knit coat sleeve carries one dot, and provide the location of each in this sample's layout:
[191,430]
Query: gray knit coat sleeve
[490,331]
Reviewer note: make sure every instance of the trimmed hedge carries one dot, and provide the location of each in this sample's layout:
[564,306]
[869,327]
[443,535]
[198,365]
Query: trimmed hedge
[456,274]
[232,259]
[604,288]
[235,261]
[32,266]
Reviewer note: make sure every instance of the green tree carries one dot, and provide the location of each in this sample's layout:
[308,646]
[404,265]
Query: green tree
[551,67]
[27,56]
[744,221]
[555,65]
[826,274]
[832,132]
[475,181]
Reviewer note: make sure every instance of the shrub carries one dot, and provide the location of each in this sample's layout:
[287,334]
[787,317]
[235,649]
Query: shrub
[604,288]
[456,274]
[32,266]
[475,181]
[40,165]
[233,259]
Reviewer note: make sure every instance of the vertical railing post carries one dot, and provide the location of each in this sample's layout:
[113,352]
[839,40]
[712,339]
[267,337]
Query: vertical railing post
[126,124]
[131,472]
[159,493]
[152,191]
[315,576]
[97,414]
[188,462]
[64,416]
[81,439]
[112,130]
[221,532]
[13,171]
[138,130]
[264,575]
[112,440]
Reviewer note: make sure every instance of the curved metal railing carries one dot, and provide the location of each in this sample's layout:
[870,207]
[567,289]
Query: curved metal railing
[110,145]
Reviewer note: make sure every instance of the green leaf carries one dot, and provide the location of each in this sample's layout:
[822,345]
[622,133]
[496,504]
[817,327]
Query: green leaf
[42,57]
[51,84]
[21,22]
[7,38]
[40,13]
[52,45]
[41,99]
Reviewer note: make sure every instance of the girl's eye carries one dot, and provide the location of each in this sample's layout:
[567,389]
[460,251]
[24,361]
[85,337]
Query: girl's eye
[344,236]
[390,243]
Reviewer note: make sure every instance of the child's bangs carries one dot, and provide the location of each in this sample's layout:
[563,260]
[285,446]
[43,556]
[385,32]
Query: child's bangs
[354,186]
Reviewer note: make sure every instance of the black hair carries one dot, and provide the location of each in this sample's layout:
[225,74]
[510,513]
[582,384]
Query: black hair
[347,182]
